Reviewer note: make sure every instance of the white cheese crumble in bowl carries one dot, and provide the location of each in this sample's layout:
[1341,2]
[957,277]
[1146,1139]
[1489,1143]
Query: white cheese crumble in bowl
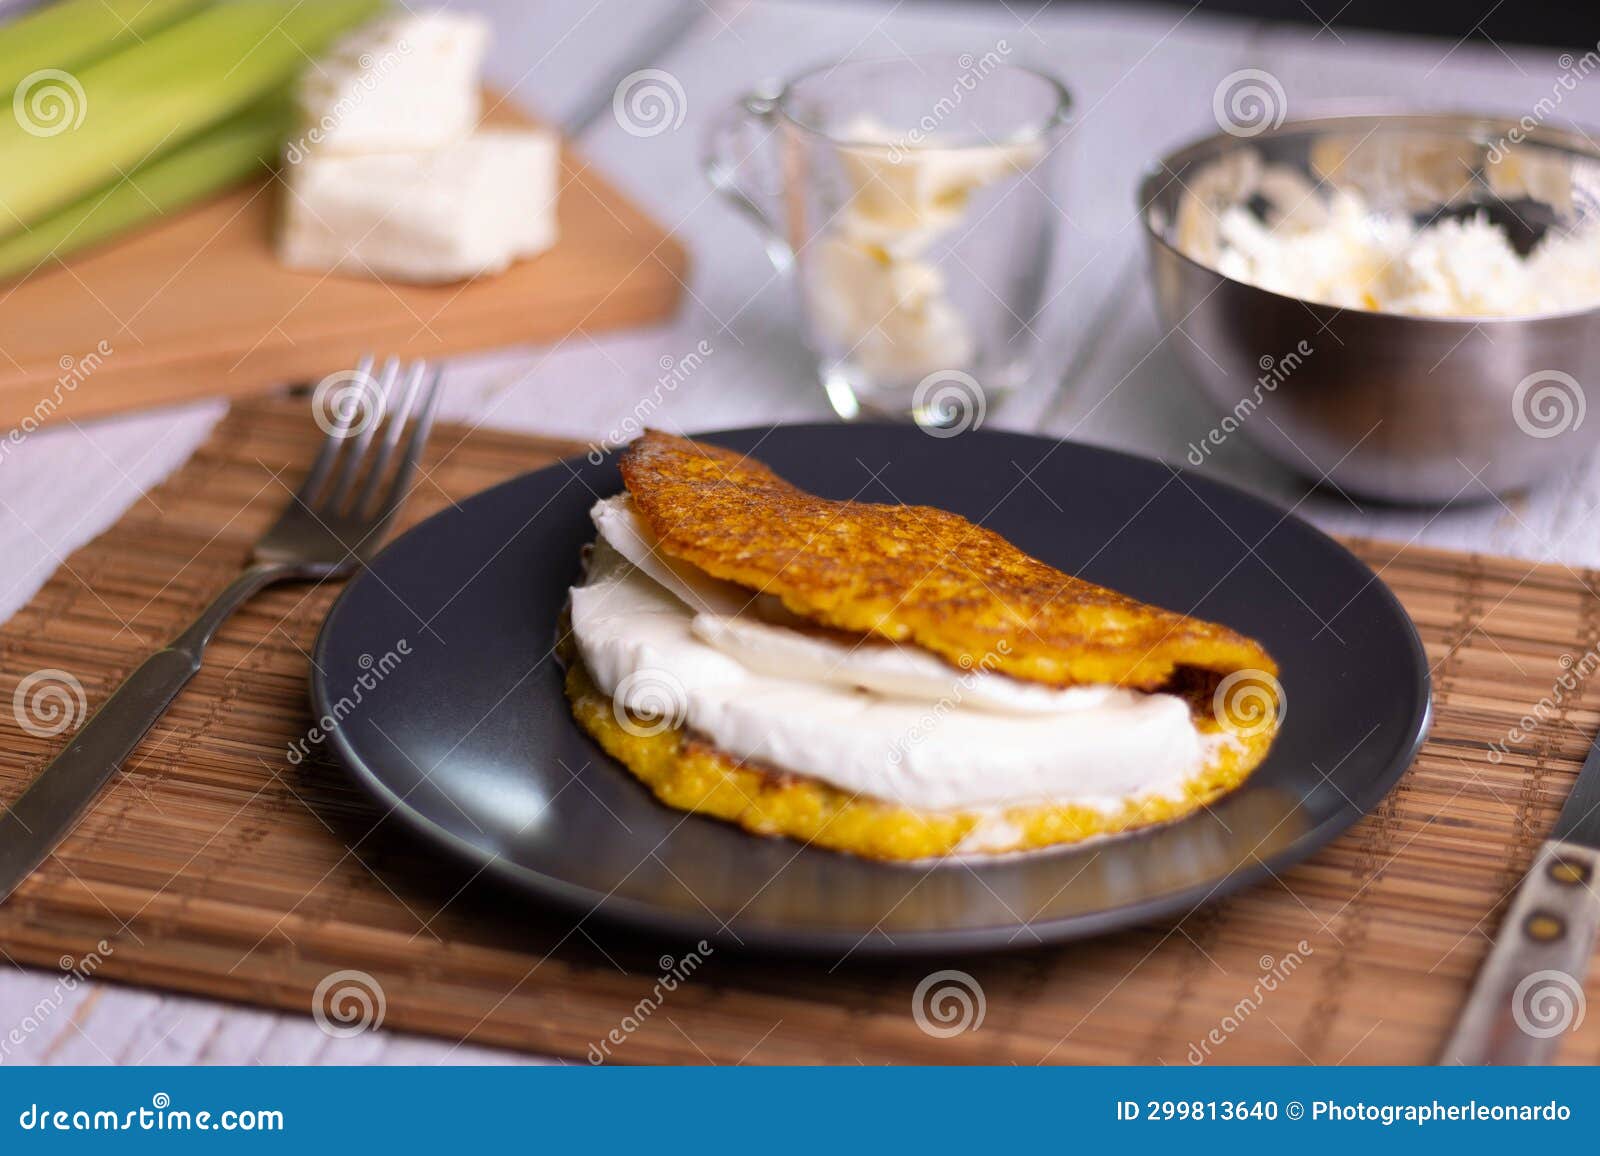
[1358,258]
[1400,307]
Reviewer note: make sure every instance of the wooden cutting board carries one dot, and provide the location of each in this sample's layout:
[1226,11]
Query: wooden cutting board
[215,864]
[197,306]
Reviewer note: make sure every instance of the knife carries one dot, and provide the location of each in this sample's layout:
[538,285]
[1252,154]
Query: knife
[1529,991]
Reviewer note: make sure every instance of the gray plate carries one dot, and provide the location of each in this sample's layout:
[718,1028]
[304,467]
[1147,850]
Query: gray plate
[470,741]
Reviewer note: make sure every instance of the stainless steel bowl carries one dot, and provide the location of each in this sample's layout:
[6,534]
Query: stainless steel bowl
[1400,408]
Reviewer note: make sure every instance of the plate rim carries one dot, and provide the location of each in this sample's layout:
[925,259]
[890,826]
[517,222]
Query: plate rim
[776,938]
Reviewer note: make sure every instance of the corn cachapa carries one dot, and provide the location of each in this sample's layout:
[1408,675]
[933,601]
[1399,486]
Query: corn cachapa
[913,574]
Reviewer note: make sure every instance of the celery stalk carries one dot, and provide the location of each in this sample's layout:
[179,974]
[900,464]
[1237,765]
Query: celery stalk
[221,156]
[72,32]
[121,111]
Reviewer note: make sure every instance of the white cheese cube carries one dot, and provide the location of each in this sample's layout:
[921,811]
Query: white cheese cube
[425,215]
[401,82]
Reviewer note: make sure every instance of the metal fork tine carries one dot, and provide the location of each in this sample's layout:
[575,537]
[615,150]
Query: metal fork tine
[307,493]
[413,451]
[350,467]
[398,416]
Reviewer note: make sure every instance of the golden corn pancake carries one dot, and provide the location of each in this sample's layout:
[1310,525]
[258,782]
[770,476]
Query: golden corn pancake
[911,573]
[889,681]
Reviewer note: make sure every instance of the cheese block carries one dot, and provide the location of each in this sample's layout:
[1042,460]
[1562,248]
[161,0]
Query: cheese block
[400,83]
[440,214]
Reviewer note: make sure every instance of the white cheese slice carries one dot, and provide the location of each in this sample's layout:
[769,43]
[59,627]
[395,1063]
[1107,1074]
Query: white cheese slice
[881,666]
[638,642]
[427,215]
[621,526]
[402,82]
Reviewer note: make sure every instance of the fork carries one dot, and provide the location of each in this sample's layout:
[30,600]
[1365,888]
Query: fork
[334,522]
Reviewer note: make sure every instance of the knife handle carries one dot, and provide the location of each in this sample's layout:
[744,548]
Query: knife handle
[1529,991]
[33,825]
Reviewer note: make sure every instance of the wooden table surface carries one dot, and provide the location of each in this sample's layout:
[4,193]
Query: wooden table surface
[1143,80]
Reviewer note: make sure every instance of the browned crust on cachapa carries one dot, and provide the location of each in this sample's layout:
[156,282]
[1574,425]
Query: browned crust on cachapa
[913,574]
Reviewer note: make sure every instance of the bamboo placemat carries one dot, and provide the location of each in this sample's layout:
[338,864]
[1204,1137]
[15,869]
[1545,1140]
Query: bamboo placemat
[214,866]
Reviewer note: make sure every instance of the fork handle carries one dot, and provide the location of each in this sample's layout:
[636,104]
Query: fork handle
[36,822]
